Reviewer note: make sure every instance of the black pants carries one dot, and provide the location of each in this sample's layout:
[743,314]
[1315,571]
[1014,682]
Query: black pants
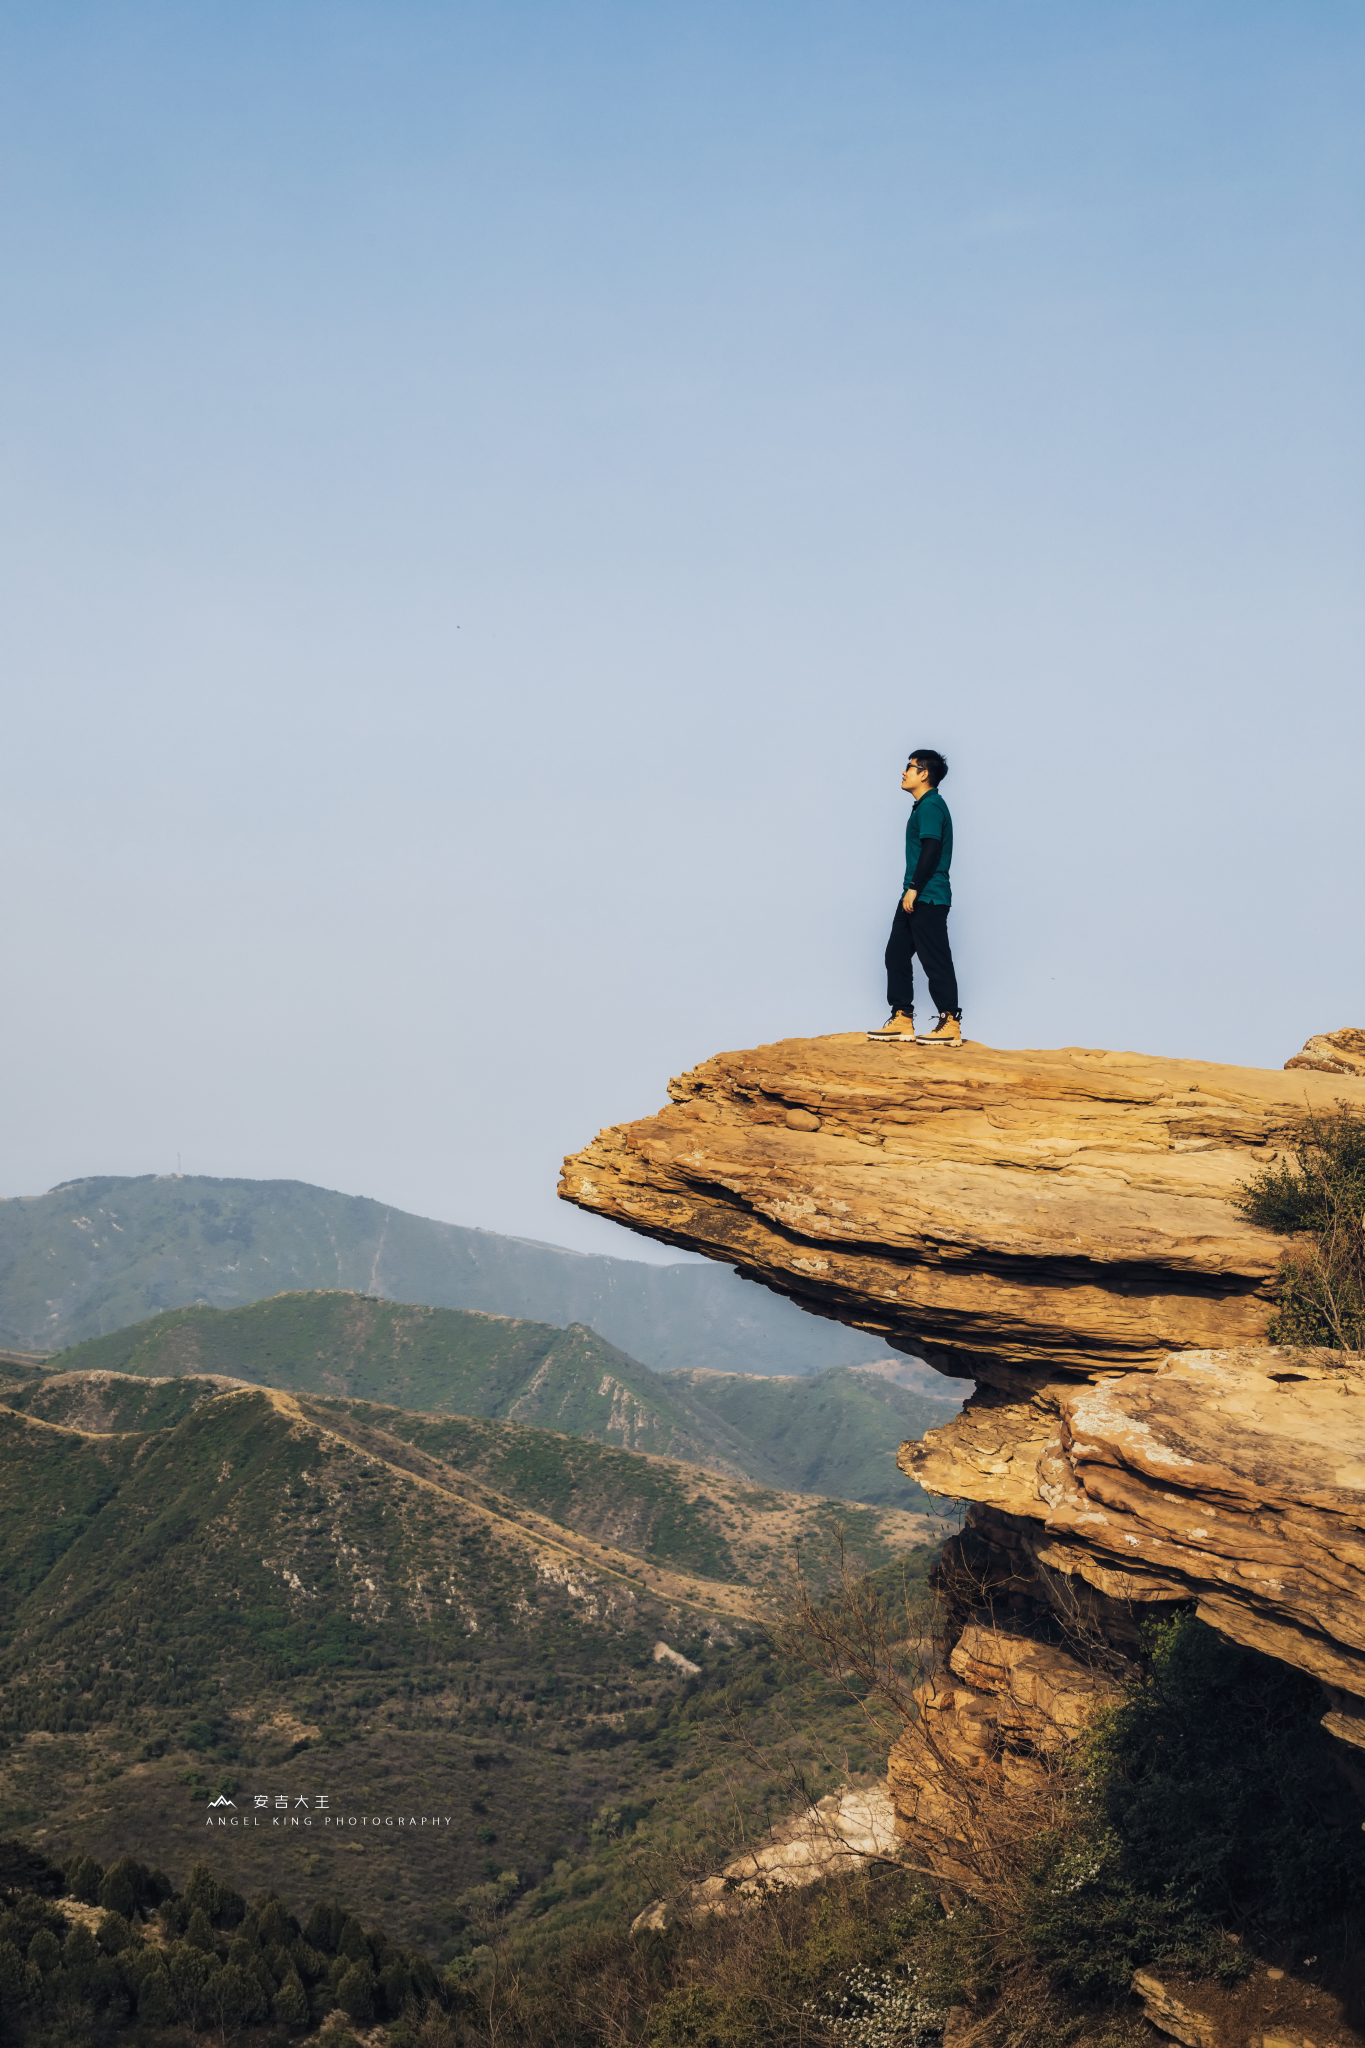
[923,930]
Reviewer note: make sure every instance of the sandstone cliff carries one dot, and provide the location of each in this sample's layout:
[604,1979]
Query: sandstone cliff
[1010,1215]
[1061,1226]
[1233,1481]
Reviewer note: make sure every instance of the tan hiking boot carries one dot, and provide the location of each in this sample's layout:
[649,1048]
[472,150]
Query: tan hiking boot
[899,1025]
[947,1031]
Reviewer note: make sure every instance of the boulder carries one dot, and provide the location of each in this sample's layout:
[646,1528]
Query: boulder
[1174,2015]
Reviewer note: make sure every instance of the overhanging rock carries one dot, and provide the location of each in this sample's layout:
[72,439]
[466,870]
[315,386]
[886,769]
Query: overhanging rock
[1012,1216]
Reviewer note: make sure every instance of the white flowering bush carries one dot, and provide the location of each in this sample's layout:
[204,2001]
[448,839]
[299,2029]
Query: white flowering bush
[1084,1861]
[885,2009]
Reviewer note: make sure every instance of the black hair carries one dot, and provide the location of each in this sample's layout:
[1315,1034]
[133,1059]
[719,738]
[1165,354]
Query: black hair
[932,762]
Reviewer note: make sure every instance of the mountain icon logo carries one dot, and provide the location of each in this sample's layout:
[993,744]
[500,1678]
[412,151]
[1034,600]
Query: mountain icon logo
[222,1800]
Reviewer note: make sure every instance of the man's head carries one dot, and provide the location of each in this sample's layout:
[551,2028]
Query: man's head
[924,770]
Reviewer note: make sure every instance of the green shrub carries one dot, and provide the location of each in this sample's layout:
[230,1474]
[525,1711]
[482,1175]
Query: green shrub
[1319,1203]
[1213,1772]
[695,2016]
[1208,1801]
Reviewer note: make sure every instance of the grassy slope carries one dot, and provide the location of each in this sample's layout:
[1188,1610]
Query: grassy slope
[93,1255]
[668,1512]
[450,1361]
[269,1590]
[835,1434]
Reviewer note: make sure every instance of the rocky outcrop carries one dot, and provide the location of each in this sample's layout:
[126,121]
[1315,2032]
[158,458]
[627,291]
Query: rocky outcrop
[1013,1216]
[981,1742]
[844,1831]
[1062,1227]
[1232,1479]
[1332,1052]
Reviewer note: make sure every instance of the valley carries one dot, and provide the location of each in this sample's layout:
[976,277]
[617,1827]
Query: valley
[217,1590]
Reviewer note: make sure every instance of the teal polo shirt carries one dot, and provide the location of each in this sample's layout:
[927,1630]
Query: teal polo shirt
[929,820]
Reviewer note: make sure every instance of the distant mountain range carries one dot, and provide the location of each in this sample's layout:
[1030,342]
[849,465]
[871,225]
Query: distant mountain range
[835,1433]
[94,1255]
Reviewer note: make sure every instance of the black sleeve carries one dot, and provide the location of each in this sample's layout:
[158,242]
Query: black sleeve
[929,851]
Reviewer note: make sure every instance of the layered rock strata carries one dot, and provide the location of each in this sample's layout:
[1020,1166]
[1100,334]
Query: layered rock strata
[1012,1216]
[1061,1226]
[981,1744]
[1332,1052]
[1232,1479]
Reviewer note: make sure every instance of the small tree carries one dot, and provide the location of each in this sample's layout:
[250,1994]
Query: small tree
[235,1998]
[290,2003]
[84,1878]
[355,1992]
[199,1934]
[156,1999]
[190,1971]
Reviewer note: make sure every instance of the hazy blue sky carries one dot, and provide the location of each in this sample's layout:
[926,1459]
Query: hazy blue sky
[492,492]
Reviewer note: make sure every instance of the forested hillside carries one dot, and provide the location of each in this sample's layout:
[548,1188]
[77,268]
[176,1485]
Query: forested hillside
[835,1433]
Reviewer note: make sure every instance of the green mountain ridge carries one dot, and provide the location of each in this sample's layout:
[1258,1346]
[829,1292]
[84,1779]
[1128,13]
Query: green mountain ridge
[833,1434]
[93,1255]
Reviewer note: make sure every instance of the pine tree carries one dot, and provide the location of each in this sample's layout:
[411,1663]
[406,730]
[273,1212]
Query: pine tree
[290,2004]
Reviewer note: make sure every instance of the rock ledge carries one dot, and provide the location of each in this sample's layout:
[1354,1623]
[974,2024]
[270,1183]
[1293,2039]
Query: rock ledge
[1009,1215]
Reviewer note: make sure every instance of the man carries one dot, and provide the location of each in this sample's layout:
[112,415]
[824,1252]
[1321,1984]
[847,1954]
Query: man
[921,921]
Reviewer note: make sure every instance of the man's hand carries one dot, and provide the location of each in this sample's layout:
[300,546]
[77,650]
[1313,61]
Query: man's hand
[908,900]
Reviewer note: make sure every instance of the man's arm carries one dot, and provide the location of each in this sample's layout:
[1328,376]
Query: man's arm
[925,866]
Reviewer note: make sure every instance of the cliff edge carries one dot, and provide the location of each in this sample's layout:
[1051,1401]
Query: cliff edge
[1008,1215]
[1059,1225]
